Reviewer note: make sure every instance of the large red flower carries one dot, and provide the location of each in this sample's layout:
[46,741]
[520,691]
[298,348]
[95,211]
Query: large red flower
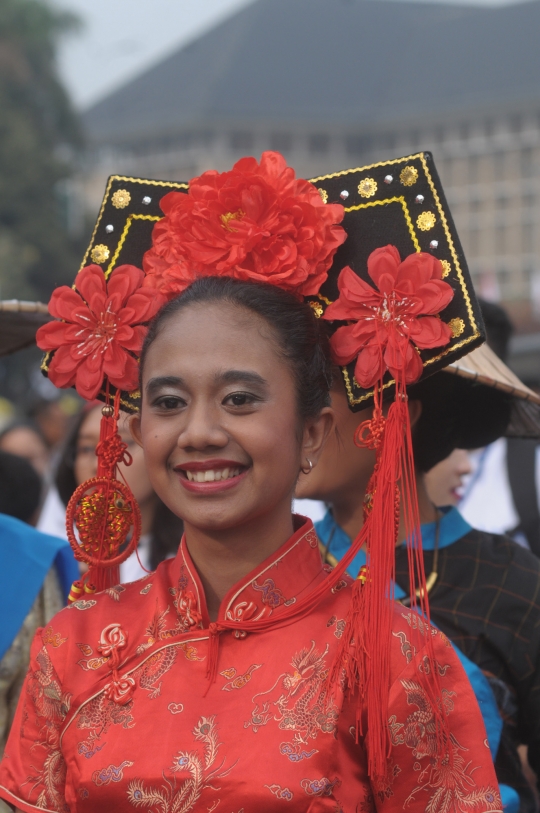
[255,222]
[389,322]
[101,330]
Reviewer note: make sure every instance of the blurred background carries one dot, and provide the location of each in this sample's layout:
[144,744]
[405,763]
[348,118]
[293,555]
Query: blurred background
[167,89]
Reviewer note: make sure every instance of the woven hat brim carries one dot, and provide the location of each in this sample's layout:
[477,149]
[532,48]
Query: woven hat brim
[19,322]
[485,367]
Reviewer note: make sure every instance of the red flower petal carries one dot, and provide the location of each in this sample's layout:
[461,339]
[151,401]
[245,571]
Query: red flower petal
[369,366]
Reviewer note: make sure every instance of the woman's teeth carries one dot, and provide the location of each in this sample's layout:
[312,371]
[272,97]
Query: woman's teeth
[212,475]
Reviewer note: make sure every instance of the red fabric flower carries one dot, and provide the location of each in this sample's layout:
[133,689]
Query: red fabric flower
[255,222]
[391,321]
[101,329]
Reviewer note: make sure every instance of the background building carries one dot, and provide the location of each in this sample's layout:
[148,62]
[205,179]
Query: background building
[338,83]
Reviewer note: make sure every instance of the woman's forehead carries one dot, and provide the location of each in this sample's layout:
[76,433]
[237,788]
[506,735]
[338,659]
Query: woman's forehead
[210,337]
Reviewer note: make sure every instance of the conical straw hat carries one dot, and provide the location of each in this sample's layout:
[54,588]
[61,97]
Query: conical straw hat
[485,367]
[19,322]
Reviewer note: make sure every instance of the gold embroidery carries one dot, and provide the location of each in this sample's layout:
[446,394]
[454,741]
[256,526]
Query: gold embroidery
[324,195]
[123,237]
[426,221]
[446,268]
[121,199]
[106,198]
[100,253]
[317,309]
[408,176]
[367,187]
[457,326]
[406,213]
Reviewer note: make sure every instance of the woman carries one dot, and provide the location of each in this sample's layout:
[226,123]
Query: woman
[207,686]
[161,529]
[483,589]
[444,481]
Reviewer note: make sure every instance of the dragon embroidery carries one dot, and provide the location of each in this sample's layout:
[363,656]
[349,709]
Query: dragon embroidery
[450,779]
[302,706]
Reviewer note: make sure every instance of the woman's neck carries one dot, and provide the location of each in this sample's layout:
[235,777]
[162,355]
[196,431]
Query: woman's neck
[348,511]
[223,558]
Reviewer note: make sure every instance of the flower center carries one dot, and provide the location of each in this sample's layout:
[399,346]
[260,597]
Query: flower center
[100,335]
[228,216]
[392,309]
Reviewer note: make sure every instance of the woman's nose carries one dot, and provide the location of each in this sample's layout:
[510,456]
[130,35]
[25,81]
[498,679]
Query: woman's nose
[202,429]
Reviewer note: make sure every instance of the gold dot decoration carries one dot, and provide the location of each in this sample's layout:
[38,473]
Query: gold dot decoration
[100,253]
[446,268]
[426,221]
[367,187]
[457,326]
[317,308]
[408,176]
[121,199]
[324,195]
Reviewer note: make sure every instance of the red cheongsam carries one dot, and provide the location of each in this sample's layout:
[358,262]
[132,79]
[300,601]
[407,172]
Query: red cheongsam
[117,713]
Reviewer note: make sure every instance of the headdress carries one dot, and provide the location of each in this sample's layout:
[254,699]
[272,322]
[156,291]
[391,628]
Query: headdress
[393,282]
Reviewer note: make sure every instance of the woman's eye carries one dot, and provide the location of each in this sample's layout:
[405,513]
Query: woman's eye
[169,403]
[239,399]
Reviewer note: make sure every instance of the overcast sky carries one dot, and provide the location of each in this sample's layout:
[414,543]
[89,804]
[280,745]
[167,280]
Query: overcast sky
[120,38]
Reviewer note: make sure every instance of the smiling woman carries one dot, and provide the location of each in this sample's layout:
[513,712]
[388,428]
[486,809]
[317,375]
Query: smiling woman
[231,677]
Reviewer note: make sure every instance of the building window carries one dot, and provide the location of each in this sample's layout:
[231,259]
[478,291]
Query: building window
[241,140]
[472,169]
[474,242]
[527,238]
[357,144]
[281,142]
[527,162]
[500,238]
[319,143]
[529,201]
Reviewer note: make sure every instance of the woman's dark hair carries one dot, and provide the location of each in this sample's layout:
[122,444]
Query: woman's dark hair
[20,487]
[166,530]
[457,413]
[301,339]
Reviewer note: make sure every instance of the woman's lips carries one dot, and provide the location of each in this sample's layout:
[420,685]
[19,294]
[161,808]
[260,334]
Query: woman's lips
[210,476]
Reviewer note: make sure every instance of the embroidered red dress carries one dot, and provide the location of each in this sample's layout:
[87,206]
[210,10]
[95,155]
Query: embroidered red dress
[117,712]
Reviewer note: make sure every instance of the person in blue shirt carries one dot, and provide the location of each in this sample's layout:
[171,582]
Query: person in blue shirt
[466,570]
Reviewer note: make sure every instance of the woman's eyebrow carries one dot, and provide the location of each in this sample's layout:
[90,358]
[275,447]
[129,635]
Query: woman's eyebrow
[240,376]
[156,384]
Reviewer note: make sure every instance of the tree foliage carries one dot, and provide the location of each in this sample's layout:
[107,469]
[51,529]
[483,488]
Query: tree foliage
[39,135]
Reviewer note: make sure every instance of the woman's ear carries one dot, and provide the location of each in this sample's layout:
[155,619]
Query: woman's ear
[134,422]
[415,410]
[316,432]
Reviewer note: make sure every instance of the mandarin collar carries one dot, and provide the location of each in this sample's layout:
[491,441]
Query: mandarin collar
[279,581]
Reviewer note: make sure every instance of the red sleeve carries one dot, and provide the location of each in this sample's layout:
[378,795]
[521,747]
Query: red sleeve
[32,772]
[464,780]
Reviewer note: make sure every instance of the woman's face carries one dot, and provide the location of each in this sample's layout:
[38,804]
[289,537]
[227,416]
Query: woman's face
[25,442]
[86,461]
[343,468]
[444,482]
[219,422]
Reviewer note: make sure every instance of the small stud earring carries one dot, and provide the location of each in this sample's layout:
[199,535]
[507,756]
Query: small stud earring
[308,471]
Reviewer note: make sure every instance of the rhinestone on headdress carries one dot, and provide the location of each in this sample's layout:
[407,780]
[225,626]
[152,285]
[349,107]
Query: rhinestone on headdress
[344,194]
[388,178]
[146,200]
[419,199]
[434,244]
[109,228]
